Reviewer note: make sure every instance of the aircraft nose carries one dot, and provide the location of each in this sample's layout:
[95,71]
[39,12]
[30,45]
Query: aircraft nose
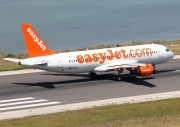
[171,55]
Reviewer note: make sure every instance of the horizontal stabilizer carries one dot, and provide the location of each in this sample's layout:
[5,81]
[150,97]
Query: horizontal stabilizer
[13,59]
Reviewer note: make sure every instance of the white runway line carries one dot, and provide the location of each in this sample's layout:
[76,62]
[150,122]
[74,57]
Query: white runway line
[28,106]
[27,102]
[26,71]
[176,57]
[176,71]
[23,102]
[17,99]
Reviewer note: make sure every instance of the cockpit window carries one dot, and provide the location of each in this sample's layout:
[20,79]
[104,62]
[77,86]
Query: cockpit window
[167,50]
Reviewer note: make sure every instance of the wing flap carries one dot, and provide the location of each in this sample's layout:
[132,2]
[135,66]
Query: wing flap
[121,64]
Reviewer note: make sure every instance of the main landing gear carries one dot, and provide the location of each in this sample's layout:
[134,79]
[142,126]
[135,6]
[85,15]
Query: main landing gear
[118,77]
[92,74]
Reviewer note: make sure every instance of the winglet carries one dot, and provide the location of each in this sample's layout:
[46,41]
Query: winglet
[34,44]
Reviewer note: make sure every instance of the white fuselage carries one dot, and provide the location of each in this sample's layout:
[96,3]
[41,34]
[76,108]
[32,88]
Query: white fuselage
[87,61]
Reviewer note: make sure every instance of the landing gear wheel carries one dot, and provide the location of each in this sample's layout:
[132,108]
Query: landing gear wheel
[92,75]
[117,78]
[155,72]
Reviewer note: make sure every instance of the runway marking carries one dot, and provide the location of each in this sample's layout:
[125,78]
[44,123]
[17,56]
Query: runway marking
[25,71]
[17,99]
[176,71]
[21,103]
[27,106]
[24,102]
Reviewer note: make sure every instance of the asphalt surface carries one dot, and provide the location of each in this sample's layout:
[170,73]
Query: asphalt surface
[75,88]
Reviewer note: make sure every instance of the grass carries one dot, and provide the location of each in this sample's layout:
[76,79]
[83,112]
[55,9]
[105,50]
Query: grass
[9,66]
[164,113]
[173,45]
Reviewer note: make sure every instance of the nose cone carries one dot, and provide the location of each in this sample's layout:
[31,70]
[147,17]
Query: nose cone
[171,55]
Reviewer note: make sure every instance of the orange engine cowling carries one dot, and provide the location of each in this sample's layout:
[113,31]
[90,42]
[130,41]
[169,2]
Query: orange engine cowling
[143,70]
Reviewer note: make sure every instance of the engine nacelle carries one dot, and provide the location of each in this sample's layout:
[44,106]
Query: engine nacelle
[143,70]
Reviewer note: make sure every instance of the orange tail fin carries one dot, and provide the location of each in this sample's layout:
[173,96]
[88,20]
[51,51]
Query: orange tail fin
[34,44]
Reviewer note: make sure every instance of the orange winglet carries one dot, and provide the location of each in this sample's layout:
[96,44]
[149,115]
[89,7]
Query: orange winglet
[34,44]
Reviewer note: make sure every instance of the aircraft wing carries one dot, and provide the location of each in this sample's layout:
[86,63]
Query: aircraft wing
[120,64]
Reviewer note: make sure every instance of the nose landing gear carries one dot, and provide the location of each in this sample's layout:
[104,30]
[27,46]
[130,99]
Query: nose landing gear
[155,71]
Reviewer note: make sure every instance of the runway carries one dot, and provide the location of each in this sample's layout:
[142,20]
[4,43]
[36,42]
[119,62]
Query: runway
[43,89]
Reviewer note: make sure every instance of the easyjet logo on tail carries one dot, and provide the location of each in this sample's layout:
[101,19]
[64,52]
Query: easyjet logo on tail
[36,39]
[109,54]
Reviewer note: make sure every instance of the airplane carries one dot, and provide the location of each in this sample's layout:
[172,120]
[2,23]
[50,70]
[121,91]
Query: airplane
[139,60]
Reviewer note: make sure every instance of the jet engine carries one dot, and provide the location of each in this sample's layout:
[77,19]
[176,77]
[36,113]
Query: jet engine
[143,70]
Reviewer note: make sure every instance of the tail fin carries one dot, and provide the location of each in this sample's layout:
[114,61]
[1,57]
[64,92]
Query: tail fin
[34,44]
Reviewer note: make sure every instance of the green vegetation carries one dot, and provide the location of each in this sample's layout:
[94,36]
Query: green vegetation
[174,46]
[9,66]
[164,113]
